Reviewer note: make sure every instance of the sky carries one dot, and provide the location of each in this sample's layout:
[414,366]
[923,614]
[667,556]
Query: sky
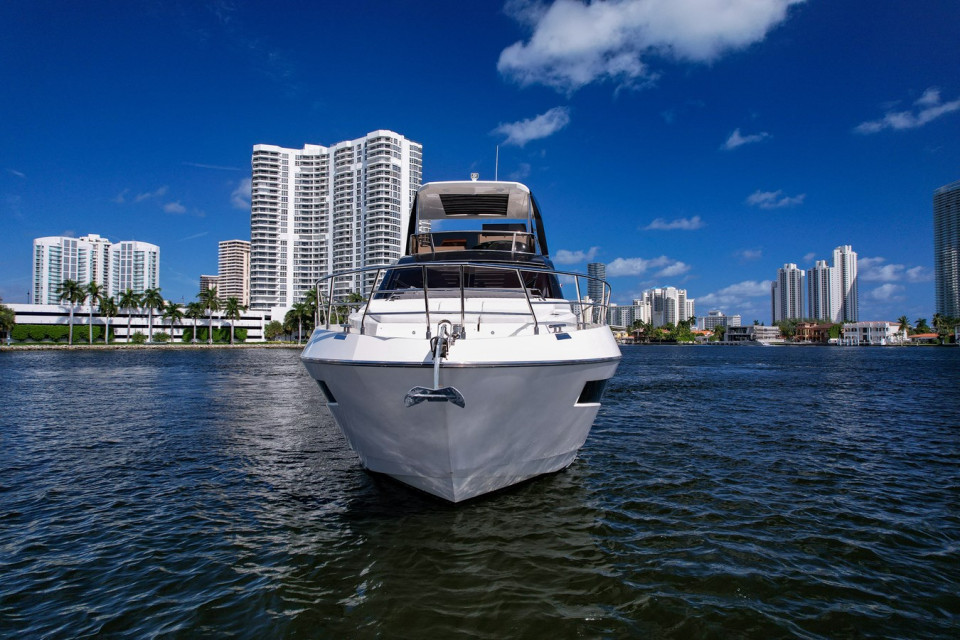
[700,144]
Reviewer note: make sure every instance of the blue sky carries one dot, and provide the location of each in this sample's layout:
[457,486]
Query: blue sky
[700,144]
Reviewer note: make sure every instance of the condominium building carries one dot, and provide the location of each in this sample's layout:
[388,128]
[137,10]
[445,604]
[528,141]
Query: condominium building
[786,293]
[823,292]
[668,305]
[234,270]
[133,265]
[92,258]
[946,249]
[208,282]
[321,209]
[595,287]
[716,318]
[845,270]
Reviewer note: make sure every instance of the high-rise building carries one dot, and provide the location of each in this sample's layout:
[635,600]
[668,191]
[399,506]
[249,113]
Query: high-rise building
[208,282]
[823,292]
[668,305]
[321,209]
[133,265]
[89,258]
[845,271]
[234,271]
[595,287]
[946,249]
[786,294]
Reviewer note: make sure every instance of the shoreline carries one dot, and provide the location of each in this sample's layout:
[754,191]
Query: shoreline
[104,347]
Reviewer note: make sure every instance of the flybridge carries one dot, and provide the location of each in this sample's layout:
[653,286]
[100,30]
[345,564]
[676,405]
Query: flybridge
[475,200]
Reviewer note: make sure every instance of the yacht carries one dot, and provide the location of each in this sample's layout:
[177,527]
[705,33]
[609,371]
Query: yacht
[471,364]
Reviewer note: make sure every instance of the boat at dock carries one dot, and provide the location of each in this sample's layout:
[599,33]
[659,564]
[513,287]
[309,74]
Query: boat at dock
[465,367]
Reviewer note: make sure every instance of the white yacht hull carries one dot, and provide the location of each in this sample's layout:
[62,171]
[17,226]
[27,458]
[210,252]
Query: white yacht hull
[523,414]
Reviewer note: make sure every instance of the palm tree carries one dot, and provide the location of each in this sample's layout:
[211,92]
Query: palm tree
[72,293]
[152,300]
[129,301]
[904,328]
[296,315]
[210,302]
[232,311]
[108,309]
[195,311]
[174,313]
[8,319]
[312,302]
[95,293]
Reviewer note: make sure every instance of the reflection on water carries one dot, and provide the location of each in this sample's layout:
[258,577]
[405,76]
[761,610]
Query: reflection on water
[724,492]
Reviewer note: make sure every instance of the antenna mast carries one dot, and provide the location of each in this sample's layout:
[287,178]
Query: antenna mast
[496,166]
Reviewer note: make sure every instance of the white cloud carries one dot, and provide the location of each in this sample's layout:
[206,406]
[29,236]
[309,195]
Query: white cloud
[887,293]
[121,197]
[926,108]
[174,207]
[151,194]
[676,269]
[574,43]
[240,197]
[774,199]
[19,174]
[686,224]
[877,270]
[639,266]
[736,293]
[574,257]
[810,257]
[541,126]
[749,254]
[737,140]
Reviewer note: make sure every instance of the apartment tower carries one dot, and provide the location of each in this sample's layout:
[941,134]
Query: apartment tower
[823,292]
[92,258]
[595,288]
[321,209]
[786,293]
[845,271]
[946,249]
[234,271]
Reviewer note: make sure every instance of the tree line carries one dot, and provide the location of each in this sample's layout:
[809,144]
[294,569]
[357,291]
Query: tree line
[72,293]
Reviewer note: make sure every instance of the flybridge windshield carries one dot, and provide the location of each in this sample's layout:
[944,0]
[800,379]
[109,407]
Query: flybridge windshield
[464,216]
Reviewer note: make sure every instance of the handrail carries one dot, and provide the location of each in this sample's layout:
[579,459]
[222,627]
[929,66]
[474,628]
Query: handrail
[578,307]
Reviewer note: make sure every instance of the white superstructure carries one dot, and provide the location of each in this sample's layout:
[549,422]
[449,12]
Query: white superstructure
[321,209]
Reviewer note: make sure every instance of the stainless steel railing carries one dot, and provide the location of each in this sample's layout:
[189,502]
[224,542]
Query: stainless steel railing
[337,303]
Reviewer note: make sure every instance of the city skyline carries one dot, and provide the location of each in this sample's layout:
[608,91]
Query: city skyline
[675,156]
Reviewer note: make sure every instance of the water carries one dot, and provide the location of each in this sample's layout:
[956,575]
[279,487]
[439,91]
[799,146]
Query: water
[724,492]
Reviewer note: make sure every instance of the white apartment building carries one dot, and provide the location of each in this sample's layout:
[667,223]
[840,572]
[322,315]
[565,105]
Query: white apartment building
[845,268]
[877,333]
[92,258]
[668,305]
[716,318]
[321,209]
[234,270]
[210,282]
[823,292]
[133,265]
[786,293]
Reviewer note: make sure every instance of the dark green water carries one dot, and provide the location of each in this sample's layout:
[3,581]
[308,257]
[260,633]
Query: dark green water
[723,493]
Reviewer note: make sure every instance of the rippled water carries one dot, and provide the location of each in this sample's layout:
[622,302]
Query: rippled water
[724,492]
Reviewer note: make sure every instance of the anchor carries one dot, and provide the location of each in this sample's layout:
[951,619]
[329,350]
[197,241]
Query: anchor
[440,345]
